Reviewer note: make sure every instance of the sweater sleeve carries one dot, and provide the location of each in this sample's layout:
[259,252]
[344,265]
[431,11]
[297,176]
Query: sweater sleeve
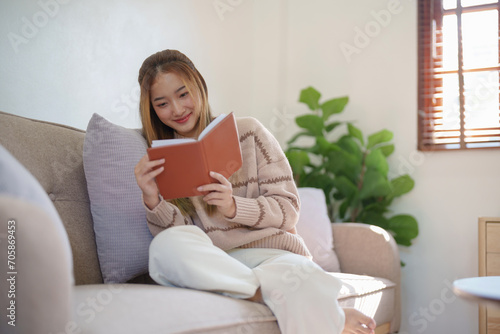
[163,216]
[276,203]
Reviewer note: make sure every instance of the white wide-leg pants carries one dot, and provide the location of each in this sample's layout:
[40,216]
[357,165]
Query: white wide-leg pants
[302,296]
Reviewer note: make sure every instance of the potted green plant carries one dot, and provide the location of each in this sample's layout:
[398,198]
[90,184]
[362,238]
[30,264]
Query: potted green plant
[352,170]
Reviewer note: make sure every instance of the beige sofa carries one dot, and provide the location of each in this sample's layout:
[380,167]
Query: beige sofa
[58,284]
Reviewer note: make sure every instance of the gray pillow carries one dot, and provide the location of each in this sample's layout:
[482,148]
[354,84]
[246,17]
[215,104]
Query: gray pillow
[110,153]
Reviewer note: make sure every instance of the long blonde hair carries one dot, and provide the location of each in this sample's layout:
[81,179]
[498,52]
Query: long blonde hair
[168,61]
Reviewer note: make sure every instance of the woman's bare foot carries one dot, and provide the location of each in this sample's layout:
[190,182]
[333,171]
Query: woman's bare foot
[257,298]
[357,322]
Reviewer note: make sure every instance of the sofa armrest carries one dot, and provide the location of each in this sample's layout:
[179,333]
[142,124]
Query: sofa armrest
[40,284]
[366,250]
[369,250]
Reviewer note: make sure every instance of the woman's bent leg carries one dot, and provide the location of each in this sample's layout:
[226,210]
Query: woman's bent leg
[185,256]
[301,295]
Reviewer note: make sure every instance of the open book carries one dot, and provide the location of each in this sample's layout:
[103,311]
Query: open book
[189,161]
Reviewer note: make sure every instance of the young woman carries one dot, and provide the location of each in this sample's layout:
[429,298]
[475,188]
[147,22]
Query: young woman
[239,240]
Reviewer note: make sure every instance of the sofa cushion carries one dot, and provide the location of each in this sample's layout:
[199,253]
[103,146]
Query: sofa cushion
[115,308]
[145,309]
[110,154]
[315,227]
[18,182]
[52,153]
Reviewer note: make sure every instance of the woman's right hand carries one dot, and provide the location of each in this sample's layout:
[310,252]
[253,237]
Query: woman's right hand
[145,176]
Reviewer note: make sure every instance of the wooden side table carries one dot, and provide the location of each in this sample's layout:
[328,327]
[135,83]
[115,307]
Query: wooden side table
[489,265]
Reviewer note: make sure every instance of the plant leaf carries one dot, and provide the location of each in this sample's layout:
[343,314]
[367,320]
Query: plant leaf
[298,135]
[324,146]
[341,162]
[379,137]
[313,123]
[379,207]
[376,160]
[387,149]
[298,160]
[345,186]
[343,209]
[334,106]
[331,126]
[310,96]
[319,180]
[374,185]
[356,133]
[402,185]
[405,228]
[351,146]
[373,218]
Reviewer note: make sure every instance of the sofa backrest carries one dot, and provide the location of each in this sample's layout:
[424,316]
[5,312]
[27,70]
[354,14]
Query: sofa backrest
[53,154]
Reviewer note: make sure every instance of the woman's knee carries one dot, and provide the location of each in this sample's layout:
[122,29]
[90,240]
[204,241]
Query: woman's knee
[175,238]
[169,248]
[294,275]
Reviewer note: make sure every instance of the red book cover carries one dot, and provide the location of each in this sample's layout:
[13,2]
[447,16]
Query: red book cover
[188,162]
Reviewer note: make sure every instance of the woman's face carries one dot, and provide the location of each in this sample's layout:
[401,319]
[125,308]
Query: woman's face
[174,105]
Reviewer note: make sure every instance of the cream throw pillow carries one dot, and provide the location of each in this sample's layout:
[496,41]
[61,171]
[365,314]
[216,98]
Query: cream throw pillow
[315,228]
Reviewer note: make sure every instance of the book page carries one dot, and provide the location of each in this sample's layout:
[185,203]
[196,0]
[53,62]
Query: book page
[167,142]
[212,124]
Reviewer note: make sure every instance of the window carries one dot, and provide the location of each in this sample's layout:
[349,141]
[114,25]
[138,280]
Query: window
[458,74]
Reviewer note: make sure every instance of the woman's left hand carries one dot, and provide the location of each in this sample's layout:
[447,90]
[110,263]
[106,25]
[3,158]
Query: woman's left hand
[220,194]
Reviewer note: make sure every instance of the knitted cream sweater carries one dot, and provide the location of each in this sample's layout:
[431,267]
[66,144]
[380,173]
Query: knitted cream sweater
[267,201]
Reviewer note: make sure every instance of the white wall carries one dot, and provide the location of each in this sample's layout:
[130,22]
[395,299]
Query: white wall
[85,55]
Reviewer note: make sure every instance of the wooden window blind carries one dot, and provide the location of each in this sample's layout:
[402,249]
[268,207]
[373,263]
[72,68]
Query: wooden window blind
[458,74]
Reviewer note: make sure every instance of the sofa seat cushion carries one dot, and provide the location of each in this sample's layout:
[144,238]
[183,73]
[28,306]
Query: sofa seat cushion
[139,308]
[374,296]
[150,308]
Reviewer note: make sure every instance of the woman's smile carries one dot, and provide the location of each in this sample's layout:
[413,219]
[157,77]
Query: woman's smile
[183,119]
